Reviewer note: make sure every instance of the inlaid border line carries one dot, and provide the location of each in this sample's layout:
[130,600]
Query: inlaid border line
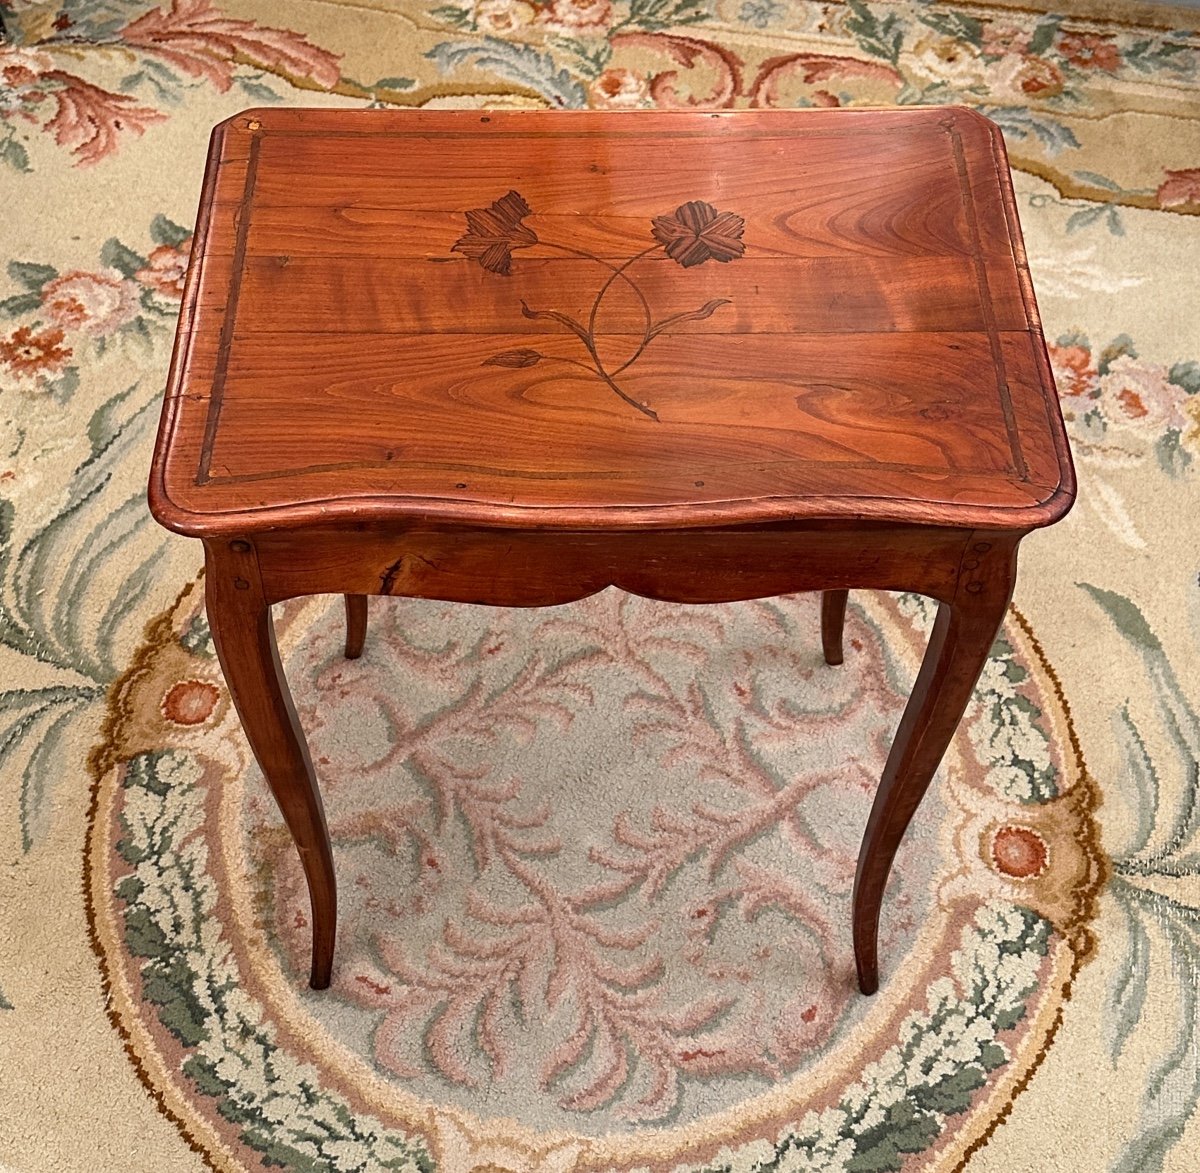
[225,345]
[985,300]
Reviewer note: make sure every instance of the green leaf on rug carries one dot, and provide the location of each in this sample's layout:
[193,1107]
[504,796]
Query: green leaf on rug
[656,15]
[1126,616]
[1043,37]
[256,91]
[905,1129]
[452,14]
[121,257]
[882,38]
[30,275]
[1121,344]
[100,531]
[394,83]
[1171,1090]
[1185,375]
[164,231]
[33,724]
[1097,180]
[522,64]
[65,385]
[1172,457]
[20,303]
[1084,217]
[1020,123]
[104,426]
[13,152]
[955,24]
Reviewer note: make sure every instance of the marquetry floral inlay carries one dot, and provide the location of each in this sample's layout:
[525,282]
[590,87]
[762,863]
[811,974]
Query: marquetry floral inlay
[694,233]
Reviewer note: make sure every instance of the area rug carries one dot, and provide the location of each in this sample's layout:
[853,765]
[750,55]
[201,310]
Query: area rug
[595,860]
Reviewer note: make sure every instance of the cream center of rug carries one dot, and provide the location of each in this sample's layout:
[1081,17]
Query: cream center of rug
[594,862]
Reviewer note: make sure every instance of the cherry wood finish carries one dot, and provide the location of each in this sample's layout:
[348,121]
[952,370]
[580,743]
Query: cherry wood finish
[518,358]
[356,625]
[833,619]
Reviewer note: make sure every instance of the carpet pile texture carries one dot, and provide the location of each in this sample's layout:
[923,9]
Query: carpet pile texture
[595,861]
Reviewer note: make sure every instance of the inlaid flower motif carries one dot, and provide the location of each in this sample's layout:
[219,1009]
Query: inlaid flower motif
[697,232]
[493,233]
[25,352]
[96,303]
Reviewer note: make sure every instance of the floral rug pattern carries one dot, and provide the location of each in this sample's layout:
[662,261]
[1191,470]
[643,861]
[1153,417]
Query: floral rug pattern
[595,861]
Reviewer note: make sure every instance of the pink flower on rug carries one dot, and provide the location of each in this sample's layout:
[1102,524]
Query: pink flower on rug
[22,67]
[1137,395]
[190,702]
[500,18]
[937,59]
[575,16]
[1073,370]
[1002,40]
[166,268]
[1180,187]
[27,353]
[1089,51]
[1039,78]
[96,303]
[88,119]
[204,42]
[619,89]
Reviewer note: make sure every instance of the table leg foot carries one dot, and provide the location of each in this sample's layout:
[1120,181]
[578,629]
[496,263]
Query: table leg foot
[356,625]
[833,620]
[958,648]
[244,635]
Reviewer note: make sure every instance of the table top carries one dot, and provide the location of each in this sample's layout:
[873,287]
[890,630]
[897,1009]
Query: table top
[588,320]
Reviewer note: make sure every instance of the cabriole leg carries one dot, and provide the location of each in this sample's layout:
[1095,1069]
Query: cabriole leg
[356,625]
[833,619]
[244,635]
[962,637]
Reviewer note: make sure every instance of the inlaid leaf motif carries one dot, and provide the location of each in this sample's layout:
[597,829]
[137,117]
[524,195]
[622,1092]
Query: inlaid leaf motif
[696,233]
[705,311]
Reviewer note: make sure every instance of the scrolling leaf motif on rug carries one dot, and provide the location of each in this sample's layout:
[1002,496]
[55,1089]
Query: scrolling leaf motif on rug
[677,953]
[74,576]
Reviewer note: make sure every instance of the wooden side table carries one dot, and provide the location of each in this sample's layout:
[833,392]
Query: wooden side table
[518,358]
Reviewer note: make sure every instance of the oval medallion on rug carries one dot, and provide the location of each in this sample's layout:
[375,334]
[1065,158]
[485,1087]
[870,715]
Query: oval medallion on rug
[594,866]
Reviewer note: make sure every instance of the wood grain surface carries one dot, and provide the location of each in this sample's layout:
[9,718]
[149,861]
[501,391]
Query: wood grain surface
[516,359]
[872,350]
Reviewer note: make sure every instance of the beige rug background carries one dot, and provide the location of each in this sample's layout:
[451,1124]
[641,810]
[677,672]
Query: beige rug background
[1105,139]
